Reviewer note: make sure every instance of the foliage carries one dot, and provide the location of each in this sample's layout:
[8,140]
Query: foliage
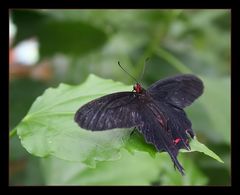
[92,41]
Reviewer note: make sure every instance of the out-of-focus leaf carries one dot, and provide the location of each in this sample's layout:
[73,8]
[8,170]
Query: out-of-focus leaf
[137,169]
[210,115]
[18,94]
[216,101]
[69,38]
[58,36]
[24,169]
[193,176]
[49,127]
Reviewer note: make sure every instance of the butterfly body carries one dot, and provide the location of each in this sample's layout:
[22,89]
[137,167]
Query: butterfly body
[156,112]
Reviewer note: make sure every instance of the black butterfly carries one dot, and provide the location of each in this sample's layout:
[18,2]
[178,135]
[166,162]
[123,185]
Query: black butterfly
[156,112]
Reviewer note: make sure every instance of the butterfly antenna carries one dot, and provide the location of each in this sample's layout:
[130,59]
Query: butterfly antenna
[127,72]
[144,67]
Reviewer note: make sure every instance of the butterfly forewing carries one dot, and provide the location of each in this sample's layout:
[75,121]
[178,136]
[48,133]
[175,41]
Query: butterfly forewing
[117,110]
[179,90]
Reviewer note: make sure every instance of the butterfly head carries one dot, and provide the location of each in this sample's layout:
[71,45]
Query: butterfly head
[137,88]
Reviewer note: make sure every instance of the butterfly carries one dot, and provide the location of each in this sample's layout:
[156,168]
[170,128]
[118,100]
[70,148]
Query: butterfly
[157,113]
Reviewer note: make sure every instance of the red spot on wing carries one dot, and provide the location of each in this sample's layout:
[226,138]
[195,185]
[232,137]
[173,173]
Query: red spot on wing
[176,141]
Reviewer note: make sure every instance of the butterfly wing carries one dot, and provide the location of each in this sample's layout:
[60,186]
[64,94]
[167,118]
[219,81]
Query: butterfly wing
[171,125]
[155,132]
[117,110]
[179,90]
[177,123]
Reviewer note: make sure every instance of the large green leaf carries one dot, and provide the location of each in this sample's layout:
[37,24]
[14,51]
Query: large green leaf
[49,128]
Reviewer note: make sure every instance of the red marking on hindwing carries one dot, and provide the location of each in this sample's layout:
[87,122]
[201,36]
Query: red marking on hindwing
[176,141]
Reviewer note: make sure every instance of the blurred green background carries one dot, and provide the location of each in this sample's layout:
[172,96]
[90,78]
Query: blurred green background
[75,43]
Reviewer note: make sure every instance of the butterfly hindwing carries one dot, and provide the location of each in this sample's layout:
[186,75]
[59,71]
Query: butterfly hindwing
[178,124]
[117,110]
[155,132]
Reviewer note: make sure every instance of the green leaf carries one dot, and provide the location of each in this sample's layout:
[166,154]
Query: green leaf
[199,147]
[137,143]
[49,128]
[58,35]
[193,176]
[216,101]
[137,169]
[16,93]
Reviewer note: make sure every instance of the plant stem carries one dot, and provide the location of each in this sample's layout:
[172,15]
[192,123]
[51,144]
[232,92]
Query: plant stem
[171,59]
[12,133]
